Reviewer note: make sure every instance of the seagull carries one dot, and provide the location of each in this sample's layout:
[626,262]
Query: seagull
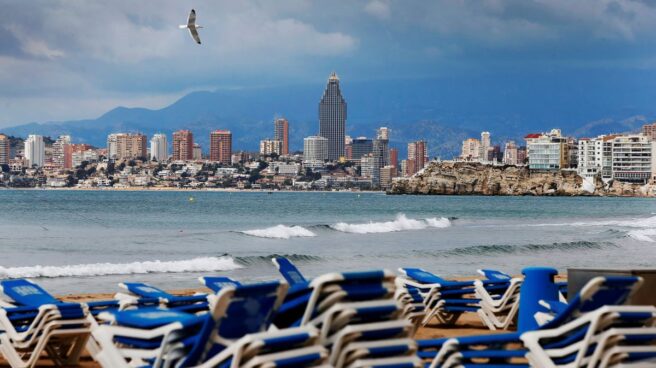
[191,25]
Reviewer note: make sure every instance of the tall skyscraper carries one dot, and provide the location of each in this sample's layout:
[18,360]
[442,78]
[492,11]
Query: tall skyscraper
[383,133]
[485,146]
[221,146]
[159,149]
[126,146]
[183,145]
[361,146]
[198,152]
[58,147]
[5,149]
[332,118]
[35,150]
[281,133]
[394,158]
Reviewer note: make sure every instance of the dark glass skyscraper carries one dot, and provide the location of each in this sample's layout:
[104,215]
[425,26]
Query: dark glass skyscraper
[332,118]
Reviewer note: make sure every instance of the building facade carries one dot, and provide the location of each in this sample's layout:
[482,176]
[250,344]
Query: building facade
[332,118]
[221,146]
[510,153]
[159,148]
[471,149]
[271,146]
[361,146]
[35,150]
[315,150]
[5,149]
[126,146]
[649,130]
[632,158]
[547,151]
[58,157]
[183,145]
[281,133]
[197,152]
[417,157]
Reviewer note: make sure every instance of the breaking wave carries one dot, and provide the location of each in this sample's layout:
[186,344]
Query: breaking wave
[201,264]
[512,249]
[280,232]
[401,223]
[296,258]
[645,235]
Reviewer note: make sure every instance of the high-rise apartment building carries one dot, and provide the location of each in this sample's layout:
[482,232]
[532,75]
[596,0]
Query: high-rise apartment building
[83,152]
[361,146]
[649,130]
[332,118]
[221,146]
[5,149]
[159,148]
[383,133]
[547,151]
[197,152]
[281,133]
[471,149]
[315,150]
[510,153]
[394,158]
[183,145]
[58,157]
[271,146]
[417,156]
[126,146]
[35,150]
[632,158]
[485,146]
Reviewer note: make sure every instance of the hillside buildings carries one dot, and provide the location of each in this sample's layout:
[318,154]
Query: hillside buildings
[221,146]
[332,118]
[183,145]
[271,146]
[58,155]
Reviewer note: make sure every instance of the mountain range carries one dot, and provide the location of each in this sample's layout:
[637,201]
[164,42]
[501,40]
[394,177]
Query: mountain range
[443,111]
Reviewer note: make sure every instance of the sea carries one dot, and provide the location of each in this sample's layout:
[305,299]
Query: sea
[89,241]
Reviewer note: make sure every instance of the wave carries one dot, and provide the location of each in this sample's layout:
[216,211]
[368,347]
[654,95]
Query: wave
[645,235]
[296,258]
[401,223]
[512,249]
[645,222]
[201,264]
[280,232]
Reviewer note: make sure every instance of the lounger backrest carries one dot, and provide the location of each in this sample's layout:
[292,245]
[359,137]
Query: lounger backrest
[422,276]
[216,283]
[145,290]
[289,271]
[26,293]
[494,275]
[598,292]
[238,311]
[367,285]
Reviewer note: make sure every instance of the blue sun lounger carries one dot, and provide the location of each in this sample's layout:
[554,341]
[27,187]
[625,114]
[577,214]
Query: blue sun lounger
[143,294]
[39,322]
[216,283]
[289,271]
[231,335]
[569,336]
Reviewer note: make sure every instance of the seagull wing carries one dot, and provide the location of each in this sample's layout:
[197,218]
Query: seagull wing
[191,22]
[194,34]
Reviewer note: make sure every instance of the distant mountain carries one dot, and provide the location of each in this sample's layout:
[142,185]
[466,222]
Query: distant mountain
[442,111]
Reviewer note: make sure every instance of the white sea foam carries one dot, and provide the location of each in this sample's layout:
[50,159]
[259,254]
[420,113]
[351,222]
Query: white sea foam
[401,223]
[645,235]
[281,232]
[201,264]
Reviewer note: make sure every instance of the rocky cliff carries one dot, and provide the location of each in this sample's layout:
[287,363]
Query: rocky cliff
[462,178]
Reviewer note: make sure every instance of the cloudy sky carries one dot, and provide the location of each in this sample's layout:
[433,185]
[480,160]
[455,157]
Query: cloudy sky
[62,60]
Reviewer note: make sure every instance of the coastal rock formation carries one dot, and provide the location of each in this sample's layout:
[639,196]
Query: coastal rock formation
[462,178]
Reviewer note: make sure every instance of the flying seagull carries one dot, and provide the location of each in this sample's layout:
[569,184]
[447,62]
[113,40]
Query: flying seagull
[191,25]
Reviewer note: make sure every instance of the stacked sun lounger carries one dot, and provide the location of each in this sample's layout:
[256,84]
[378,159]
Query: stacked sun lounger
[33,322]
[594,330]
[350,319]
[495,298]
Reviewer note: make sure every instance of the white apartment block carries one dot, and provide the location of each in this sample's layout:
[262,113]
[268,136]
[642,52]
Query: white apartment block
[547,151]
[632,158]
[35,150]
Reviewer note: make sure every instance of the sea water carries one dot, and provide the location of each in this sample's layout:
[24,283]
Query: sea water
[88,241]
